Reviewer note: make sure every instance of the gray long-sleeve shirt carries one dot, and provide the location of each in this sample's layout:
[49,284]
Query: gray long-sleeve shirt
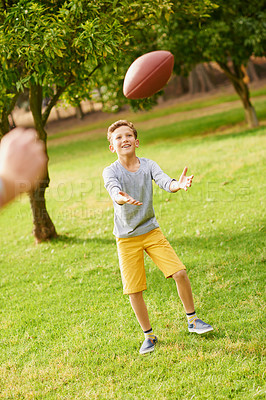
[131,220]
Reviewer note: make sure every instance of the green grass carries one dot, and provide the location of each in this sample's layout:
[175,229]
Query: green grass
[197,104]
[67,332]
[169,110]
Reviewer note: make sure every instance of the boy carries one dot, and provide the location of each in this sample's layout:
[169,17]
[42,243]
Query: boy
[129,183]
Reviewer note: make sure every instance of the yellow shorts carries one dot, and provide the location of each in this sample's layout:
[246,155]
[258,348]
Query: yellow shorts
[131,259]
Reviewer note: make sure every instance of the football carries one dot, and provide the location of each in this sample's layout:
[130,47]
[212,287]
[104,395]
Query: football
[148,74]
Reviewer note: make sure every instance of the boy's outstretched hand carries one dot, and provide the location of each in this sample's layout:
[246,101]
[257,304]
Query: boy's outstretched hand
[123,198]
[183,183]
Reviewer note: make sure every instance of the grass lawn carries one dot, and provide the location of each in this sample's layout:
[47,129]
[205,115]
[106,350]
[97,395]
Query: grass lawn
[157,114]
[67,332]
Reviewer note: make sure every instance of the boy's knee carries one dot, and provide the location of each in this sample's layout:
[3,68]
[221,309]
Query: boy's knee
[180,275]
[136,295]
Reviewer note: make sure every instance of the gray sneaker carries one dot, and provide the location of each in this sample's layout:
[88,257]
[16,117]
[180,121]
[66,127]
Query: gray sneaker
[199,326]
[148,345]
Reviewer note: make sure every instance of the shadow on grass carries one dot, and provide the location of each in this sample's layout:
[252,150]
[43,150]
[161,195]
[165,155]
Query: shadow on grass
[218,136]
[67,239]
[243,242]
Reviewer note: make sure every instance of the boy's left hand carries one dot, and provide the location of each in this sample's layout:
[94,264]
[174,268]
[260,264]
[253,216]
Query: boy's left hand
[185,181]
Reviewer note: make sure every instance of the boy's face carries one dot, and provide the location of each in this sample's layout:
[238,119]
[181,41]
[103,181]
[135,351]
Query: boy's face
[123,141]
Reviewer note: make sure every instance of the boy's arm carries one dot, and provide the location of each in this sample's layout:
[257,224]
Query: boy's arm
[183,183]
[113,186]
[123,198]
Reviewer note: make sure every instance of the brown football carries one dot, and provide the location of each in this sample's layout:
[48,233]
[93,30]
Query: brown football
[148,74]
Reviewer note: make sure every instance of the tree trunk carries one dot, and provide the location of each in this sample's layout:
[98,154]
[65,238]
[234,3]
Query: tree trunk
[238,80]
[92,106]
[199,80]
[13,123]
[252,73]
[250,113]
[44,228]
[57,114]
[4,123]
[206,84]
[6,110]
[79,112]
[193,82]
[241,88]
[251,117]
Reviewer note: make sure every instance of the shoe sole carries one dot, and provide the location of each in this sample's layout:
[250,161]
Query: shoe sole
[150,350]
[200,331]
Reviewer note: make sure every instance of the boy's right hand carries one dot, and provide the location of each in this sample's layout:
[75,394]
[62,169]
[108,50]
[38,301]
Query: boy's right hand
[123,198]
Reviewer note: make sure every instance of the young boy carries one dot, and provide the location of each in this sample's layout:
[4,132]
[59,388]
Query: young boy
[129,183]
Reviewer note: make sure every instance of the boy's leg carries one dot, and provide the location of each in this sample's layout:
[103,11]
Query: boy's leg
[185,293]
[184,290]
[131,261]
[140,310]
[162,253]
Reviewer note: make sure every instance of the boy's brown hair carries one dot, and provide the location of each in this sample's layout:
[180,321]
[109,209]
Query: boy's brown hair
[117,124]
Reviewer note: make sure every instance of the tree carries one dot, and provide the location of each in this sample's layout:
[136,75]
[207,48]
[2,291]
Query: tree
[54,48]
[228,32]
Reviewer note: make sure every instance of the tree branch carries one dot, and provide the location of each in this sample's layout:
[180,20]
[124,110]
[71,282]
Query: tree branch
[12,103]
[3,4]
[57,95]
[227,72]
[53,102]
[238,70]
[6,110]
